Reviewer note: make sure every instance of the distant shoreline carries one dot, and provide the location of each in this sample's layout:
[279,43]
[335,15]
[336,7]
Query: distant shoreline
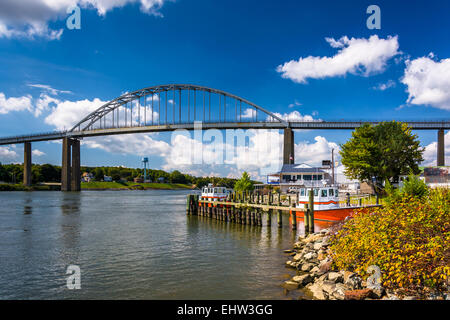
[100,186]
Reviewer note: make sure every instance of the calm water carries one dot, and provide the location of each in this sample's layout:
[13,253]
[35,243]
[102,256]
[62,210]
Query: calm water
[134,245]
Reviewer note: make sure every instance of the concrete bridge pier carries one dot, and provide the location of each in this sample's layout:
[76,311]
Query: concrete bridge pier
[70,171]
[288,146]
[27,164]
[441,148]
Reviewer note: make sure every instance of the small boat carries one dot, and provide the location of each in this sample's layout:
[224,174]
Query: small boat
[326,203]
[213,193]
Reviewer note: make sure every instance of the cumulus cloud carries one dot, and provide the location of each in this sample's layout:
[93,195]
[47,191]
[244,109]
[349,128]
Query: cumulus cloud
[428,82]
[295,116]
[37,153]
[15,103]
[67,113]
[6,154]
[313,153]
[30,18]
[356,56]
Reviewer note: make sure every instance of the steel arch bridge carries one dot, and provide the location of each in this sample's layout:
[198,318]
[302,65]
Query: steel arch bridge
[175,106]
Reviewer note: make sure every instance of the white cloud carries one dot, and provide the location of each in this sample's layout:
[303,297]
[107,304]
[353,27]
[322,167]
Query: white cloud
[356,55]
[430,153]
[30,18]
[15,104]
[385,85]
[6,154]
[37,153]
[132,144]
[313,153]
[295,116]
[428,82]
[295,104]
[67,113]
[248,113]
[48,88]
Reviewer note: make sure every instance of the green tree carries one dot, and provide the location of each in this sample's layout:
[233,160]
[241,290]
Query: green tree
[99,173]
[383,152]
[244,183]
[177,177]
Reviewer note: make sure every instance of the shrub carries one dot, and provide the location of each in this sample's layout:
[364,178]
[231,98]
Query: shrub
[409,241]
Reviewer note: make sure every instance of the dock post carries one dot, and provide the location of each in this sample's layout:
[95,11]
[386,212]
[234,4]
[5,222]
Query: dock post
[188,204]
[360,202]
[269,217]
[311,211]
[378,199]
[294,219]
[279,219]
[306,219]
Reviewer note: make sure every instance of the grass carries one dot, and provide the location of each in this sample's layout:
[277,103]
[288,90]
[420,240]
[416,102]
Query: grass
[21,187]
[132,185]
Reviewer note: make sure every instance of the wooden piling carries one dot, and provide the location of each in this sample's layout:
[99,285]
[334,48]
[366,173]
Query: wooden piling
[279,219]
[269,217]
[294,219]
[311,211]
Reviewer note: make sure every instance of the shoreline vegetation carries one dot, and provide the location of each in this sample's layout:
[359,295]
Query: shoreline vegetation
[101,185]
[398,252]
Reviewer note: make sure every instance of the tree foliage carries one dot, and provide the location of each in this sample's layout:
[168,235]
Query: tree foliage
[244,183]
[383,152]
[408,241]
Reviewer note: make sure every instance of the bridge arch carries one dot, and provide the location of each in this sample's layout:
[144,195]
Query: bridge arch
[174,104]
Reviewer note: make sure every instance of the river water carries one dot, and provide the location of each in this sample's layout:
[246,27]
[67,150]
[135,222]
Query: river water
[135,245]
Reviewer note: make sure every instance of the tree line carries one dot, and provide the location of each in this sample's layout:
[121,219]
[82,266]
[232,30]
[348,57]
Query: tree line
[13,173]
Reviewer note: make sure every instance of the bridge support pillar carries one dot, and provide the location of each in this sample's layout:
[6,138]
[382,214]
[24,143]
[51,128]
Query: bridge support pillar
[441,148]
[288,146]
[70,171]
[27,164]
[75,174]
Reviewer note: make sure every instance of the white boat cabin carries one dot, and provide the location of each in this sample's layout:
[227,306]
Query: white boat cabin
[325,197]
[212,193]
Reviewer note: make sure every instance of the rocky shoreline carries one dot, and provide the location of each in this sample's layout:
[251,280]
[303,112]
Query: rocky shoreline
[311,257]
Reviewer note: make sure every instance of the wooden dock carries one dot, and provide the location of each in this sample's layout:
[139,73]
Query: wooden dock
[248,209]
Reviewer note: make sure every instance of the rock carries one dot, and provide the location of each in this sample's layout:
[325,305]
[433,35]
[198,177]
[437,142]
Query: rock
[335,277]
[339,292]
[291,264]
[313,238]
[303,280]
[377,293]
[321,255]
[323,277]
[290,285]
[288,251]
[310,256]
[297,257]
[354,282]
[328,286]
[326,241]
[347,275]
[316,271]
[317,245]
[307,267]
[326,266]
[317,292]
[357,294]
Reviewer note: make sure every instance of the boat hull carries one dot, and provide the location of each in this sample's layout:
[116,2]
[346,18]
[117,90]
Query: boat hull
[333,215]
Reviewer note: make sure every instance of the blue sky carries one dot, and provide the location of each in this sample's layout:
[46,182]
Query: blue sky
[236,46]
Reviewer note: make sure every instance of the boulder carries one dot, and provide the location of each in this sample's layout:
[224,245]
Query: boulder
[377,293]
[288,251]
[347,275]
[357,294]
[310,256]
[339,292]
[307,267]
[335,277]
[317,245]
[290,285]
[354,282]
[317,292]
[325,266]
[297,257]
[329,287]
[303,280]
